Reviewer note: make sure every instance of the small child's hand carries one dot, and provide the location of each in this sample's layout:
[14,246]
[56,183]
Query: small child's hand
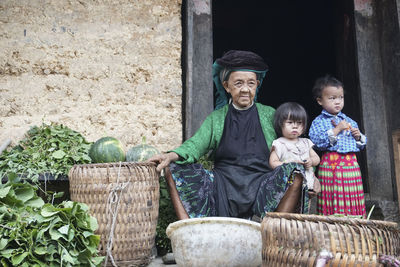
[342,125]
[355,132]
[307,163]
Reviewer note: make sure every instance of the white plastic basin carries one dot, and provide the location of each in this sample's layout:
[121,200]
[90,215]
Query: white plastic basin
[216,241]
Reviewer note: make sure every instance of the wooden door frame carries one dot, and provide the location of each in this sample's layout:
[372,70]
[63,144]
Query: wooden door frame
[198,50]
[198,86]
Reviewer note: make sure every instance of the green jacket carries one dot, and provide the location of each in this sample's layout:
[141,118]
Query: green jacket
[209,134]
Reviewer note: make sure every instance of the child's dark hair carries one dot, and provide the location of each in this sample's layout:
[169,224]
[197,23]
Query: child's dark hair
[289,111]
[323,82]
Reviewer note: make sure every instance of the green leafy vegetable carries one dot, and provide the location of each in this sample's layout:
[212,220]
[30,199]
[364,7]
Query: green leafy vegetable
[48,149]
[33,233]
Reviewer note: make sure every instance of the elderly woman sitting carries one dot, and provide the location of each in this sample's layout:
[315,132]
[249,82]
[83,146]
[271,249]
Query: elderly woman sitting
[237,136]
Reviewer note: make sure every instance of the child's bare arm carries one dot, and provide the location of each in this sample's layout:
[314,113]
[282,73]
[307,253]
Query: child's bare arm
[314,158]
[274,160]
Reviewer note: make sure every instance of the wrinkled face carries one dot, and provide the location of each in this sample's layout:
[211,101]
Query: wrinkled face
[292,129]
[242,86]
[332,99]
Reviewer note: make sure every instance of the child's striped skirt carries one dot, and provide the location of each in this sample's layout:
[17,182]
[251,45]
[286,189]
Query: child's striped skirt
[341,185]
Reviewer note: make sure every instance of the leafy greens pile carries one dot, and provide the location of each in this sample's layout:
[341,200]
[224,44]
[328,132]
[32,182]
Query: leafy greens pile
[36,234]
[48,149]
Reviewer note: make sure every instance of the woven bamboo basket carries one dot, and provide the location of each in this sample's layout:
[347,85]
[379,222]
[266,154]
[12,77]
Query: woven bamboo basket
[296,239]
[136,185]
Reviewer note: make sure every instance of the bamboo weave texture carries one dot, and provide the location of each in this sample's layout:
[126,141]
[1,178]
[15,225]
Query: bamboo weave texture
[136,221]
[296,239]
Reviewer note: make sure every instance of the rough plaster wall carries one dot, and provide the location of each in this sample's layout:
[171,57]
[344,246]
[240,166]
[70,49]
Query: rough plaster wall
[102,68]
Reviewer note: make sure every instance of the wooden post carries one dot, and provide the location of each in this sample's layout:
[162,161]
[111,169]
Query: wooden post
[199,99]
[396,153]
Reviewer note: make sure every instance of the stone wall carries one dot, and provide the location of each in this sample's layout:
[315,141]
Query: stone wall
[102,68]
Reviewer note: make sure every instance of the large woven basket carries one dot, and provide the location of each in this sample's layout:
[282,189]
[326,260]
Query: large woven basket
[296,240]
[136,185]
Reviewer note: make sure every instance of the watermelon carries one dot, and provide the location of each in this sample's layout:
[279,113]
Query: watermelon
[107,149]
[141,153]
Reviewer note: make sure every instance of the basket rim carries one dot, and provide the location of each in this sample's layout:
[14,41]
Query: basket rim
[331,219]
[114,164]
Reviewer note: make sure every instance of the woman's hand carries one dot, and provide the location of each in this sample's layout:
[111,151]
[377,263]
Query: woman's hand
[163,160]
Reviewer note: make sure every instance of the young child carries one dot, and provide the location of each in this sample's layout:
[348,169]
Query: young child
[339,138]
[290,123]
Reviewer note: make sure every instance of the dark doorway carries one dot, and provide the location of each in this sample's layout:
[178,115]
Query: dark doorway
[300,41]
[296,39]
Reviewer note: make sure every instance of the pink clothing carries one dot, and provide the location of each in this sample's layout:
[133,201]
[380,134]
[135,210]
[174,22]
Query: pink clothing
[341,183]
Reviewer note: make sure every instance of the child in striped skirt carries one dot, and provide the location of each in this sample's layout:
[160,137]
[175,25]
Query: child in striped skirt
[339,137]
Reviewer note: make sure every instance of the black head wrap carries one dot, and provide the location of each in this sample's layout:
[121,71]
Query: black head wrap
[237,59]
